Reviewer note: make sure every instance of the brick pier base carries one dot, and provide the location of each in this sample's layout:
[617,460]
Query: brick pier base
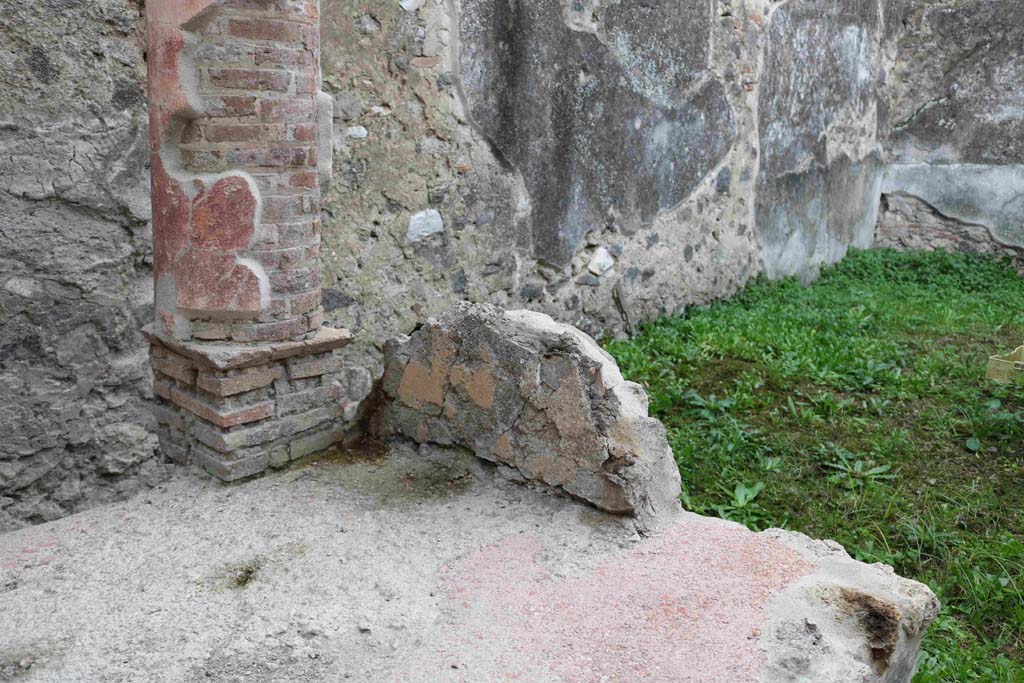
[237,410]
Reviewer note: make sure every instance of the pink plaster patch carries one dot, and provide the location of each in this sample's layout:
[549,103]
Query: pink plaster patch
[685,605]
[211,282]
[224,217]
[171,209]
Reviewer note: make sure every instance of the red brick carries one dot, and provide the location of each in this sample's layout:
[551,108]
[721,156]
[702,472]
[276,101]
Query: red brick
[304,132]
[287,110]
[244,132]
[278,56]
[162,389]
[250,79]
[231,106]
[295,281]
[301,368]
[168,415]
[310,399]
[304,303]
[282,259]
[285,207]
[203,160]
[241,381]
[285,329]
[275,157]
[306,83]
[175,366]
[293,234]
[210,331]
[223,418]
[259,28]
[304,179]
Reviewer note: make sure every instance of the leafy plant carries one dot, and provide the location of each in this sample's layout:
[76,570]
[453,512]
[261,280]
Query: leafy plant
[850,471]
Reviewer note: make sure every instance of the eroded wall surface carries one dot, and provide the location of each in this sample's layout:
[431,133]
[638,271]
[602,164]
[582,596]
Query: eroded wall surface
[603,162]
[957,153]
[74,258]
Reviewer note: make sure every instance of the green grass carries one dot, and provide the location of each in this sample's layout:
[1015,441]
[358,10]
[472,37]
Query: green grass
[857,409]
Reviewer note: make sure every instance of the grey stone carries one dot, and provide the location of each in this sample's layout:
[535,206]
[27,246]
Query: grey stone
[601,262]
[356,132]
[517,388]
[424,224]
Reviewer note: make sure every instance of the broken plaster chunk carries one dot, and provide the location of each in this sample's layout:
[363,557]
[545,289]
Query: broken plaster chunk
[356,133]
[424,224]
[601,263]
[411,5]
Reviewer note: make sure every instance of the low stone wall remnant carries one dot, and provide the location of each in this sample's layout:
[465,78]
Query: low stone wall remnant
[538,398]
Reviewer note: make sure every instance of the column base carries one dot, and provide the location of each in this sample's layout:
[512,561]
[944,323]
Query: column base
[239,409]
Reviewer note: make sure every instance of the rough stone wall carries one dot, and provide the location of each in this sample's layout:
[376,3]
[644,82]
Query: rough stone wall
[602,162]
[957,149]
[75,259]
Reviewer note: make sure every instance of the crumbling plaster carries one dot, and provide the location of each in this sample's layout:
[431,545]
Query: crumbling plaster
[957,151]
[419,128]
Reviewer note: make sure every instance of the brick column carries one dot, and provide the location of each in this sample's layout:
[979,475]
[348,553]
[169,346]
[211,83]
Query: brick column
[240,142]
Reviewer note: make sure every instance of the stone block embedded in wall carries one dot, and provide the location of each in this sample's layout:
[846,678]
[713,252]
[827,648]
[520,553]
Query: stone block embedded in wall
[237,410]
[538,398]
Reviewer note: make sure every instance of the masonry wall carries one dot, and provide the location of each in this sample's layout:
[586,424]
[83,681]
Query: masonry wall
[75,258]
[606,163]
[957,176]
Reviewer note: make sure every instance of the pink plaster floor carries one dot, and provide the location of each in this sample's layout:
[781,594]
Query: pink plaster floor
[683,606]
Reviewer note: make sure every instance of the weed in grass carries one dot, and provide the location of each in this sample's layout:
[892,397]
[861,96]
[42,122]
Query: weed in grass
[857,409]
